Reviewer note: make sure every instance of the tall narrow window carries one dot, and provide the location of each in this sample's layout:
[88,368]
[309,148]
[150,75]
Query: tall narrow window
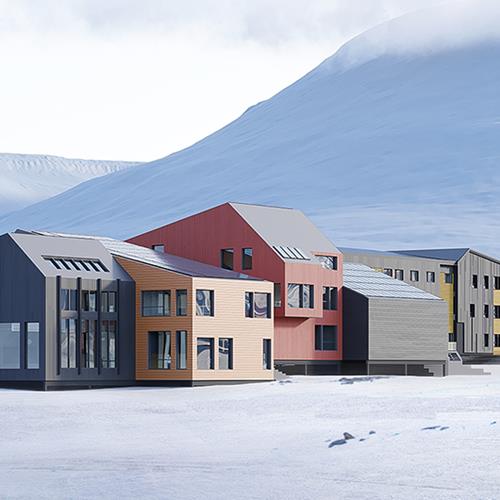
[497,312]
[33,346]
[204,302]
[431,276]
[330,298]
[159,351]
[88,344]
[108,302]
[472,311]
[300,295]
[156,303]
[267,362]
[225,354]
[10,345]
[474,281]
[414,275]
[247,258]
[205,353]
[89,300]
[497,282]
[325,338]
[399,274]
[227,258]
[68,299]
[486,340]
[68,343]
[108,344]
[181,302]
[486,311]
[181,350]
[277,295]
[486,282]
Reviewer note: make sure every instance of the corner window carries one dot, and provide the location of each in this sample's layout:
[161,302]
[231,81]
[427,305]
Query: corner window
[156,303]
[431,277]
[301,296]
[181,350]
[247,258]
[159,351]
[89,301]
[33,346]
[388,271]
[474,281]
[88,343]
[330,297]
[68,343]
[257,305]
[225,354]
[68,299]
[472,311]
[328,261]
[414,275]
[204,302]
[181,302]
[227,258]
[399,274]
[325,338]
[486,282]
[108,302]
[108,344]
[10,345]
[267,359]
[205,353]
[159,248]
[277,295]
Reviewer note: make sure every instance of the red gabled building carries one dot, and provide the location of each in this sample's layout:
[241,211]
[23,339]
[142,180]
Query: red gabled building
[280,245]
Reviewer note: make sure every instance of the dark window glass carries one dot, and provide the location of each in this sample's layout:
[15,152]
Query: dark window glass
[325,338]
[330,297]
[108,344]
[159,351]
[399,274]
[300,295]
[68,299]
[328,261]
[159,248]
[452,337]
[104,301]
[10,345]
[497,282]
[112,302]
[181,302]
[88,344]
[388,271]
[474,281]
[486,340]
[486,282]
[267,363]
[486,311]
[68,343]
[497,340]
[225,354]
[277,295]
[448,278]
[204,302]
[249,304]
[247,258]
[205,353]
[414,275]
[227,258]
[181,350]
[431,277]
[33,346]
[497,312]
[156,303]
[93,265]
[472,311]
[55,263]
[89,300]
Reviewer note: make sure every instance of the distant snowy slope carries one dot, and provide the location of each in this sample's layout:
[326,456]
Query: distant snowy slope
[396,148]
[27,179]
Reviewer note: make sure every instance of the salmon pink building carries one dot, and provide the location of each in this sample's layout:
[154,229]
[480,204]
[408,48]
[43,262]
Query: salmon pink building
[280,245]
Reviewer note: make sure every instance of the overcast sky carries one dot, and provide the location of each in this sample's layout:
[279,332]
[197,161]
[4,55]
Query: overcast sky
[139,79]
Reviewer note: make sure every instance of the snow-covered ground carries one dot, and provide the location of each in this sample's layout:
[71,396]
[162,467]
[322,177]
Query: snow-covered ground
[414,438]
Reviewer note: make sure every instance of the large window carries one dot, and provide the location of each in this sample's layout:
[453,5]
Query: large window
[159,351]
[204,302]
[156,303]
[181,350]
[225,354]
[33,346]
[89,300]
[330,295]
[267,362]
[247,258]
[88,343]
[108,302]
[10,345]
[414,275]
[431,276]
[181,302]
[300,295]
[108,344]
[205,353]
[257,305]
[325,338]
[68,299]
[399,274]
[227,258]
[328,261]
[68,343]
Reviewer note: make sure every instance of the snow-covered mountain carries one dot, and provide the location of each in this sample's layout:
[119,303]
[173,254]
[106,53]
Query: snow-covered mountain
[27,179]
[384,144]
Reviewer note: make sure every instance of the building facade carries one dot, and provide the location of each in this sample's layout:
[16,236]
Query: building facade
[468,280]
[280,245]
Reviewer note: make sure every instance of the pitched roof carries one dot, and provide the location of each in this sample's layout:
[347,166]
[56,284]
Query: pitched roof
[454,254]
[285,227]
[364,280]
[366,251]
[151,257]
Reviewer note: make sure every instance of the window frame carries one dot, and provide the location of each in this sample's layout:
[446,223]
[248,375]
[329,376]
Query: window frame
[166,304]
[211,306]
[181,292]
[223,252]
[210,341]
[301,296]
[319,338]
[330,298]
[181,358]
[267,354]
[432,275]
[250,305]
[400,272]
[245,257]
[230,354]
[414,276]
[168,360]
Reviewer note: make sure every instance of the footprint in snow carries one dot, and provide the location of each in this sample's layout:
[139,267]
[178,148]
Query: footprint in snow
[493,423]
[337,442]
[435,427]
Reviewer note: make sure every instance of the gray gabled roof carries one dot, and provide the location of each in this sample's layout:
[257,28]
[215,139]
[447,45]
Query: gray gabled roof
[148,256]
[285,227]
[454,254]
[366,251]
[365,281]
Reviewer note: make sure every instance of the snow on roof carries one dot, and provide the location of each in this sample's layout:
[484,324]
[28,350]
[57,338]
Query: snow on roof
[364,280]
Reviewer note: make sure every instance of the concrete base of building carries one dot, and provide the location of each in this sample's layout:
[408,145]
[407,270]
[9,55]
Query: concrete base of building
[57,385]
[306,367]
[195,383]
[480,359]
